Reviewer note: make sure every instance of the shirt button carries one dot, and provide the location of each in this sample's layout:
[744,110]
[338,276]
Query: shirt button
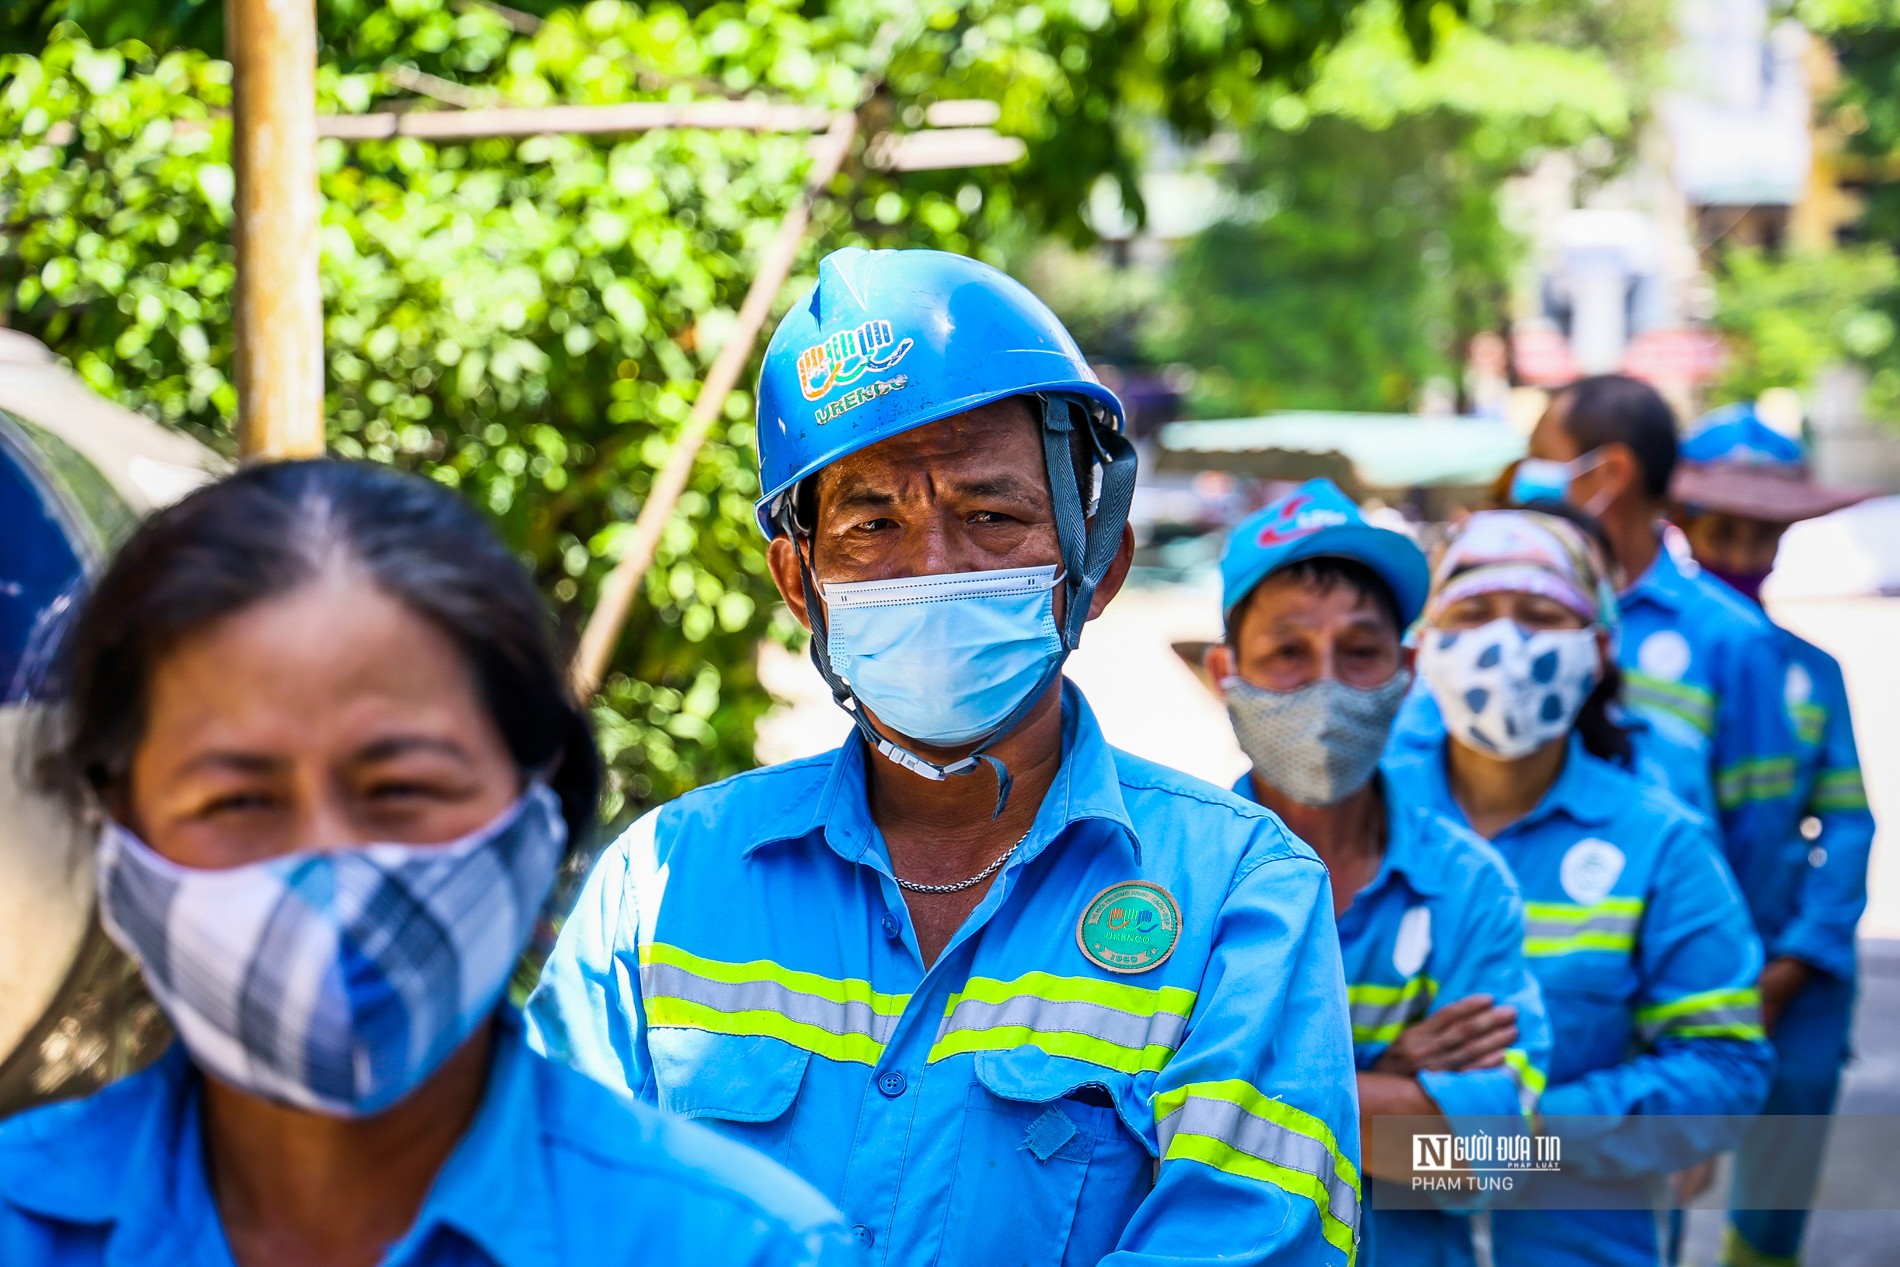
[892,929]
[891,1084]
[863,1235]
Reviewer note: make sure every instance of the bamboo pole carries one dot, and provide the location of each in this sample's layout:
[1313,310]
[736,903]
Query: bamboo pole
[617,591]
[279,308]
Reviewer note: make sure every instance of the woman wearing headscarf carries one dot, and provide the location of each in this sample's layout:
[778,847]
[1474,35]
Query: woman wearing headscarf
[1634,927]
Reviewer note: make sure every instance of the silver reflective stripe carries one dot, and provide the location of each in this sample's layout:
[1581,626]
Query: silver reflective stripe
[1093,1020]
[1736,1018]
[1270,1142]
[1381,1016]
[659,980]
[1559,929]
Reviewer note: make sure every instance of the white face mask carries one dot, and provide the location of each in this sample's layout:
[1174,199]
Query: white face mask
[1506,691]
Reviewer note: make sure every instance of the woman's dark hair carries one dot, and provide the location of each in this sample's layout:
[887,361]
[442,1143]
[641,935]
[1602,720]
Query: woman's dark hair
[1326,573]
[266,530]
[1603,736]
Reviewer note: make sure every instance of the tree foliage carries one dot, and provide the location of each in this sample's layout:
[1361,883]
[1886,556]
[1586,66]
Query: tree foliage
[1787,318]
[529,320]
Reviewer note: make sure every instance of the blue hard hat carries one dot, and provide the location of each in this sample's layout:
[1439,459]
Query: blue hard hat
[1315,521]
[1736,433]
[892,340]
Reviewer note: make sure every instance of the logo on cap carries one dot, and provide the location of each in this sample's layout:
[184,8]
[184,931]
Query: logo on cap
[847,356]
[1299,518]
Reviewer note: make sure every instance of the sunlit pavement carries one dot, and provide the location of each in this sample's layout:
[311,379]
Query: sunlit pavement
[1151,704]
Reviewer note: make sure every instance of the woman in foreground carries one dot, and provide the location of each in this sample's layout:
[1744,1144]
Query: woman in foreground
[316,712]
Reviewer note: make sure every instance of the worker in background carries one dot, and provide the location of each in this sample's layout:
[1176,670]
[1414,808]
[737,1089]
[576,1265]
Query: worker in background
[1740,485]
[1635,931]
[317,711]
[1447,1022]
[1002,993]
[1693,653]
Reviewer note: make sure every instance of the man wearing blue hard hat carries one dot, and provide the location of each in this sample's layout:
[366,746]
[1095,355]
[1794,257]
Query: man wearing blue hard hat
[1002,993]
[1447,1021]
[1740,485]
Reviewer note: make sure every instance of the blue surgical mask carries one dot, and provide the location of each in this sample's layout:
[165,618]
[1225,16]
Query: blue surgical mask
[1545,480]
[945,659]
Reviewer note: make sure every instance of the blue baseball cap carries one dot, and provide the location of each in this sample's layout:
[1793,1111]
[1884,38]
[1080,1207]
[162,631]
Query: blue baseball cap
[1318,521]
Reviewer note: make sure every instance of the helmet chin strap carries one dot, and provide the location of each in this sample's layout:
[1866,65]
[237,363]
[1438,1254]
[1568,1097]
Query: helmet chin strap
[1087,553]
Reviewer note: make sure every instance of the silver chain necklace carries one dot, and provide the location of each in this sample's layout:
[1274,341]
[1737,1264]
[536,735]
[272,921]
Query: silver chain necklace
[913,887]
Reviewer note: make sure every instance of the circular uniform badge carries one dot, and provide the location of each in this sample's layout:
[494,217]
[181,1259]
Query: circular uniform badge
[1129,927]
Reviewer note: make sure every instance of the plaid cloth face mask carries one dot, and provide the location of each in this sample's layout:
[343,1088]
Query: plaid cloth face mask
[334,980]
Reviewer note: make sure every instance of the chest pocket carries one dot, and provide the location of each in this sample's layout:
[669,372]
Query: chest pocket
[1048,1172]
[743,1087]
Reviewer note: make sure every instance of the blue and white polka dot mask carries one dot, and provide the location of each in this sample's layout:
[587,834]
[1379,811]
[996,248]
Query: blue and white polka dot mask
[1507,691]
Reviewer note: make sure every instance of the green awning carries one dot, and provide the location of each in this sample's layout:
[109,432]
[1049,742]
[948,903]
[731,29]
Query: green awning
[1360,452]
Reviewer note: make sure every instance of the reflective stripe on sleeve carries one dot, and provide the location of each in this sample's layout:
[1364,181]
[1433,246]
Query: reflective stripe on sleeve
[1127,1028]
[1759,779]
[1838,792]
[1528,1078]
[1733,1013]
[1232,1127]
[1559,928]
[1380,1013]
[843,1020]
[1809,721]
[1690,703]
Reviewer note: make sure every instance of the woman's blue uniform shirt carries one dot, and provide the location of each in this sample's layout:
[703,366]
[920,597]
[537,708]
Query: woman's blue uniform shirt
[1439,922]
[744,956]
[553,1171]
[1648,963]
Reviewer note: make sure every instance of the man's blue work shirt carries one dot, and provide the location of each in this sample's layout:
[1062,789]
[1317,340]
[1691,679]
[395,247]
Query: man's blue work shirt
[1694,650]
[744,956]
[1812,912]
[1440,921]
[1648,963]
[553,1171]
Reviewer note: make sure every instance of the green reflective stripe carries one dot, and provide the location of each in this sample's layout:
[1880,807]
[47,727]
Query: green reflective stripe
[1232,1127]
[1690,703]
[1809,721]
[664,1013]
[1728,1013]
[1838,791]
[1561,928]
[1758,779]
[838,990]
[1529,1078]
[841,1020]
[1122,1027]
[1380,1013]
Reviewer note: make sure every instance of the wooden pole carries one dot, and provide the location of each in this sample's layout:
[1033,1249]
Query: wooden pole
[279,343]
[617,591]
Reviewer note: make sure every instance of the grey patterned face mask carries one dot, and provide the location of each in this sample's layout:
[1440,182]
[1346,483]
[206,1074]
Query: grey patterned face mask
[1320,743]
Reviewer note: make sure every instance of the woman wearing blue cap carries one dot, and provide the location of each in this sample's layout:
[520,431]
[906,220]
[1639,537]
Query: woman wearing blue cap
[1636,932]
[1446,1020]
[1739,487]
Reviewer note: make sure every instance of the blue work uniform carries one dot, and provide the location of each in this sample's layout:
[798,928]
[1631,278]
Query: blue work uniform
[553,1170]
[1439,922]
[1811,916]
[744,956]
[1664,749]
[1693,650]
[1648,966]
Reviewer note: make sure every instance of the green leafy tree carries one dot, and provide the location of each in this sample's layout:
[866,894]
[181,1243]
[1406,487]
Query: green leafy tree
[1788,317]
[529,320]
[1364,245]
